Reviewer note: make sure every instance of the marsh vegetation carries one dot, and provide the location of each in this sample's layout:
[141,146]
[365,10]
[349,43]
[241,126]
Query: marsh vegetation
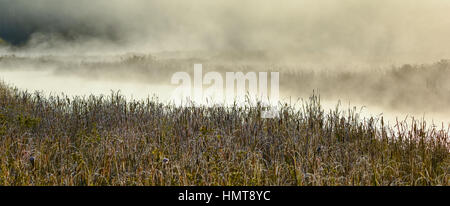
[109,140]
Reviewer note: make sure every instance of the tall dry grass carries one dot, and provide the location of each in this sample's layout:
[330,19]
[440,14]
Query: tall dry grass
[107,140]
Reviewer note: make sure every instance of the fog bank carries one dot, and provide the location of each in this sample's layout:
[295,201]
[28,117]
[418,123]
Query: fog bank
[398,31]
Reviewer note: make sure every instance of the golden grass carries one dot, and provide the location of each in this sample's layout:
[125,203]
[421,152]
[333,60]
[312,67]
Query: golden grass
[110,141]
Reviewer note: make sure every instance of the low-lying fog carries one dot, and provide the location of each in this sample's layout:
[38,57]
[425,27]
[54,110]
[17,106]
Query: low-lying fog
[399,92]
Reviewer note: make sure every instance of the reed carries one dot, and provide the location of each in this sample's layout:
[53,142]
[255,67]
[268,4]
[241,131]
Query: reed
[108,140]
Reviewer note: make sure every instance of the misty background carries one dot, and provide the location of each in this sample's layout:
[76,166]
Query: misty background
[391,31]
[388,53]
